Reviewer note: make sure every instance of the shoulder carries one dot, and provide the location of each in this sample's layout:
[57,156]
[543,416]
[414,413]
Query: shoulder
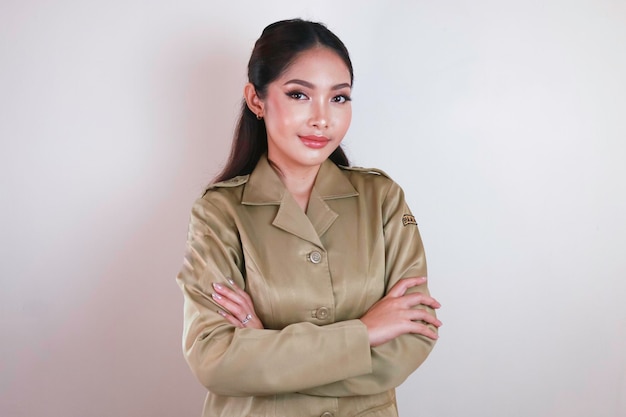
[232,186]
[365,171]
[221,197]
[368,180]
[375,184]
[233,182]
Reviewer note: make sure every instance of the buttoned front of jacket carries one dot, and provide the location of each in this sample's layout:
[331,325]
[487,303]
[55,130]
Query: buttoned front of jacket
[311,276]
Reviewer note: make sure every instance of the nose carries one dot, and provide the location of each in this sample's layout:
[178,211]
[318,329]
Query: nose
[319,115]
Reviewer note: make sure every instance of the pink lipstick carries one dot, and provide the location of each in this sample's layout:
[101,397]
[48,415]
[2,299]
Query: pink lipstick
[315,142]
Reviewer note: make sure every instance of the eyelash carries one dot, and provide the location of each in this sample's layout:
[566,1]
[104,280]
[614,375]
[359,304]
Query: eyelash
[294,94]
[342,97]
[298,95]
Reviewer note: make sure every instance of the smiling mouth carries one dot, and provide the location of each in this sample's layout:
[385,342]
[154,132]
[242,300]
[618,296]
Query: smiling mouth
[315,142]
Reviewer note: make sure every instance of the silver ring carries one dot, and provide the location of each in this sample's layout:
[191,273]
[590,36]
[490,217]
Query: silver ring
[247,319]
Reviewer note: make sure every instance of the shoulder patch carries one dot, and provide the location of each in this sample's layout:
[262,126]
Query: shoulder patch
[408,219]
[374,171]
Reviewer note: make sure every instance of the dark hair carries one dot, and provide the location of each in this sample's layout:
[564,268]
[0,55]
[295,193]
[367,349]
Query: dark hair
[273,52]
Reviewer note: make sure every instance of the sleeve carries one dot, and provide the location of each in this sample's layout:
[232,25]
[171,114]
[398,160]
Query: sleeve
[395,360]
[252,362]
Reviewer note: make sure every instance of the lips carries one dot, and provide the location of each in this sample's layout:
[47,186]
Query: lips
[315,142]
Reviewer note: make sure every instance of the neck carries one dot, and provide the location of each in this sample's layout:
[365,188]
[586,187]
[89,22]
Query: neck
[299,182]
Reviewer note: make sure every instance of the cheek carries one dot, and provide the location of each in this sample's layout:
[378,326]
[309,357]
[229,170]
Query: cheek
[346,118]
[282,115]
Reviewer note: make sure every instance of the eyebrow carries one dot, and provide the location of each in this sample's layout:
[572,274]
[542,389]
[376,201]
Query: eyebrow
[309,85]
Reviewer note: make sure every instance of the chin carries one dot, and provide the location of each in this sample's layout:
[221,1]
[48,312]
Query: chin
[317,159]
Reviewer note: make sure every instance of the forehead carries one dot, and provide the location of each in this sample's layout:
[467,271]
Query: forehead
[319,63]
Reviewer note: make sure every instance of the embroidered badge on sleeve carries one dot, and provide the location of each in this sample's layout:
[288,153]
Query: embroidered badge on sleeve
[408,219]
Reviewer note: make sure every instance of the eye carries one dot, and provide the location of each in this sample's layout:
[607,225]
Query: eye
[341,98]
[297,95]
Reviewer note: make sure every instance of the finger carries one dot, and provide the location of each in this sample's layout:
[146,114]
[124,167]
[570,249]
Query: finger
[422,329]
[425,316]
[418,298]
[238,303]
[252,321]
[236,310]
[404,284]
[229,299]
[239,291]
[236,295]
[229,318]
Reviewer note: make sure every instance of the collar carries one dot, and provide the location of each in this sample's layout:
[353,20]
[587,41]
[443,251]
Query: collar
[265,187]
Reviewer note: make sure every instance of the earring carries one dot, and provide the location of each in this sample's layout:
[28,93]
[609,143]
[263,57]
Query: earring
[259,117]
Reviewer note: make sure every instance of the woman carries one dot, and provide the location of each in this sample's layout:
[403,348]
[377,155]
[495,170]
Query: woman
[304,280]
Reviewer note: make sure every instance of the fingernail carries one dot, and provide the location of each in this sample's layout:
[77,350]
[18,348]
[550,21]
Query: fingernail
[231,282]
[217,286]
[216,296]
[221,313]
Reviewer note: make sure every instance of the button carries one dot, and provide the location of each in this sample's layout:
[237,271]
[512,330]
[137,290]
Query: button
[322,313]
[327,414]
[315,257]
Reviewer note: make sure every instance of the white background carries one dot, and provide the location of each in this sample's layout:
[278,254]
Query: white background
[505,122]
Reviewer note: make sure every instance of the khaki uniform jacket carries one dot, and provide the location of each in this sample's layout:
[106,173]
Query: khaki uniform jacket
[311,277]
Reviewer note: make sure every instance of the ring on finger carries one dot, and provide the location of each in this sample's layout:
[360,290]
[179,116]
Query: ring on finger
[247,319]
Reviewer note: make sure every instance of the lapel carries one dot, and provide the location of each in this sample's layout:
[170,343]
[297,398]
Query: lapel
[264,187]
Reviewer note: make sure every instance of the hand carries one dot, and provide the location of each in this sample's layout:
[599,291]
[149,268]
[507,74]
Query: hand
[238,309]
[393,314]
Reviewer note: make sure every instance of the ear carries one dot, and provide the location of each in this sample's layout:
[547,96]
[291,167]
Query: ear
[254,102]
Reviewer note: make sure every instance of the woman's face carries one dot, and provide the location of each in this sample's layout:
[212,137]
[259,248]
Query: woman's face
[307,110]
